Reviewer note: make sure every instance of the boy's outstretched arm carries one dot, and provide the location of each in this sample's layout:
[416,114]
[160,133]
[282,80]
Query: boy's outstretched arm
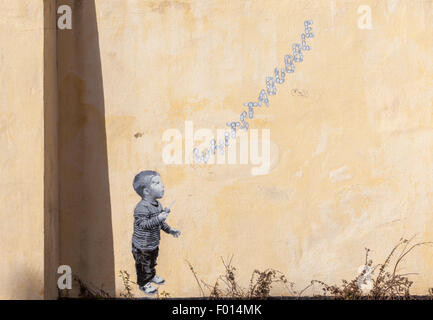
[174,232]
[165,227]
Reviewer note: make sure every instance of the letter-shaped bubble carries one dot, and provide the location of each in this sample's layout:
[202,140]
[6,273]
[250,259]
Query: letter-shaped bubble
[279,79]
[297,53]
[263,97]
[270,85]
[288,61]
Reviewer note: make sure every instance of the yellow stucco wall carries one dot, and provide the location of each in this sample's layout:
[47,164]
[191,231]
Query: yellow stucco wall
[351,160]
[350,129]
[22,149]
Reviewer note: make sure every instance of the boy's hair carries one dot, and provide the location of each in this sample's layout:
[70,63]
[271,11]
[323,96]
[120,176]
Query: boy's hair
[142,180]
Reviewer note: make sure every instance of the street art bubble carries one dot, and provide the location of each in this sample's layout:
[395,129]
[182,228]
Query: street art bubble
[271,90]
[270,86]
[278,79]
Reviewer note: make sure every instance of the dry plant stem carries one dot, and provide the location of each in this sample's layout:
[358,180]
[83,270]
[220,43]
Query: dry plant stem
[195,276]
[306,288]
[405,253]
[126,283]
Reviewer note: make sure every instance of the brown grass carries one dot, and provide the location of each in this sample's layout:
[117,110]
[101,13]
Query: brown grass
[227,286]
[388,284]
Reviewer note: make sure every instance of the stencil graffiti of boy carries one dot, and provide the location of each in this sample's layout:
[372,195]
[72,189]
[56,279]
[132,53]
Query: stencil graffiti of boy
[149,219]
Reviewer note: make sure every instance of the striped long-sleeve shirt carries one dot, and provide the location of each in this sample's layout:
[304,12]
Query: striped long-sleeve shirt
[147,227]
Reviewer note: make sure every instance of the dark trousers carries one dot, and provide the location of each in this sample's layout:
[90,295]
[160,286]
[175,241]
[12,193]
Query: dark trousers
[145,262]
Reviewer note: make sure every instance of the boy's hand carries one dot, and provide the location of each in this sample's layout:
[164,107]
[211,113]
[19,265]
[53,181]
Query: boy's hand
[162,216]
[175,233]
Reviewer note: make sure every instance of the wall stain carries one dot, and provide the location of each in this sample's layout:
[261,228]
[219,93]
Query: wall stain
[162,6]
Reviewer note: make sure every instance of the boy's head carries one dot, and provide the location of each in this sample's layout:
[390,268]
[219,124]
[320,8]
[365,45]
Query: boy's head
[148,184]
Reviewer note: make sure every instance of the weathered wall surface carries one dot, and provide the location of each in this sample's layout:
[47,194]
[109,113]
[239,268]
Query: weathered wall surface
[22,150]
[351,139]
[351,133]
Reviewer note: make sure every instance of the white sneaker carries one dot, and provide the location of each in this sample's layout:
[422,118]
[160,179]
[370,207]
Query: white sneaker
[148,288]
[158,280]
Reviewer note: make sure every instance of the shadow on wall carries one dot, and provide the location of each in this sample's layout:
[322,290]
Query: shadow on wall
[51,192]
[86,236]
